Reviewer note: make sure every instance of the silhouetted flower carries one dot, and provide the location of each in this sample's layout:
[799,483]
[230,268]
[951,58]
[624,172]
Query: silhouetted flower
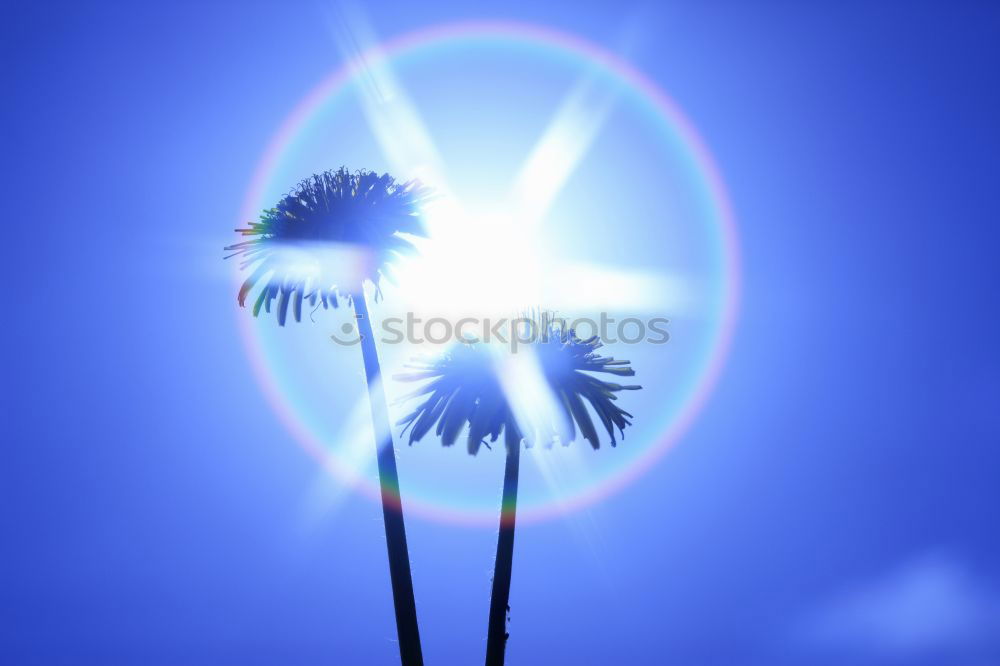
[474,385]
[464,388]
[298,248]
[332,233]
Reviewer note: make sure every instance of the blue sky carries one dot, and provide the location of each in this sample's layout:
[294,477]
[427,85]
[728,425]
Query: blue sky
[835,502]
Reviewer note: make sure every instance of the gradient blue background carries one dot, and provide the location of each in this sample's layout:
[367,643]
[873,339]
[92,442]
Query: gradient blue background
[836,503]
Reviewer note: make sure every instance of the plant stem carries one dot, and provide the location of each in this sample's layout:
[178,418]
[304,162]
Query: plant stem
[496,638]
[392,507]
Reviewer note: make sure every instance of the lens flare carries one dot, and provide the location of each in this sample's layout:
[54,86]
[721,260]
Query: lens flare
[712,297]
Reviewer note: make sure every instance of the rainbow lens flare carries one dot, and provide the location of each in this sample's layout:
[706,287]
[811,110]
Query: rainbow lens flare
[640,223]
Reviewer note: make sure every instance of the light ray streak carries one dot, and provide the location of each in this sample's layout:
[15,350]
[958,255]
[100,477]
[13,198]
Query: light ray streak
[353,451]
[565,142]
[531,400]
[560,470]
[391,115]
[396,124]
[582,286]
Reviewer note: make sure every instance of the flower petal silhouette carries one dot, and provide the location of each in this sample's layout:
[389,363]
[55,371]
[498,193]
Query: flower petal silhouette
[293,248]
[465,390]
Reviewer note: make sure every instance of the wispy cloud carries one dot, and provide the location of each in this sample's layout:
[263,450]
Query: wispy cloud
[932,606]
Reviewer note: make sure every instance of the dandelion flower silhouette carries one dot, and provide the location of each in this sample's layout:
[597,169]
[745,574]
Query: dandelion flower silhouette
[292,248]
[464,389]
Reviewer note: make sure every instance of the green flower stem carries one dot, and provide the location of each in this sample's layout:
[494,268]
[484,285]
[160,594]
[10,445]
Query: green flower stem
[392,507]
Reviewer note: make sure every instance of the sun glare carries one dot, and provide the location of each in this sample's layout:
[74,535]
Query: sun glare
[502,237]
[484,265]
